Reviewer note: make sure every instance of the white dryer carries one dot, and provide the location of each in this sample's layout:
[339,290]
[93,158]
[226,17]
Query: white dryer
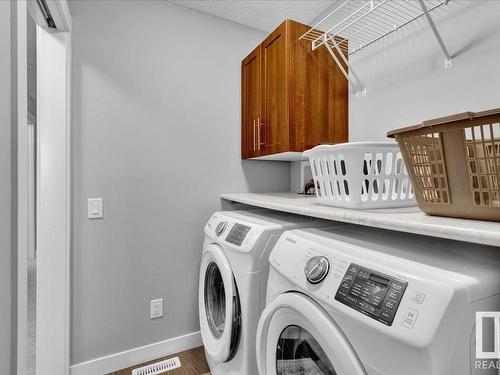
[356,301]
[232,286]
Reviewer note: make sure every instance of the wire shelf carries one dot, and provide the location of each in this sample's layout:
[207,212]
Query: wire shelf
[360,23]
[355,24]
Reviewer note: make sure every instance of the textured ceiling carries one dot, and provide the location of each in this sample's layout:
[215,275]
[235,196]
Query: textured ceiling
[260,14]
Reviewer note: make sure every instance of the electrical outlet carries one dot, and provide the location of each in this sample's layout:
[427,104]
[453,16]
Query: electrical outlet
[156,308]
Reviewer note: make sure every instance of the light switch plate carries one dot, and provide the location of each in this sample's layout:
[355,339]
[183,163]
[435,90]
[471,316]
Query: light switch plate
[95,208]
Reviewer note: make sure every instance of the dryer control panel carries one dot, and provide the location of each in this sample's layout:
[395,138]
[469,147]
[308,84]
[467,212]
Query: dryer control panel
[230,232]
[237,234]
[372,293]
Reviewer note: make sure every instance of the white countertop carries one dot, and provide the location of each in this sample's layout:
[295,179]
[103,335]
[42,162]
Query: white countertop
[408,219]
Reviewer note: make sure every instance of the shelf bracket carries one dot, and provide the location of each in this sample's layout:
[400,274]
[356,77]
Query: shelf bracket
[448,62]
[356,83]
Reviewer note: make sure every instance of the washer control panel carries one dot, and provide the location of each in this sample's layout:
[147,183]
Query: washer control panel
[237,234]
[372,293]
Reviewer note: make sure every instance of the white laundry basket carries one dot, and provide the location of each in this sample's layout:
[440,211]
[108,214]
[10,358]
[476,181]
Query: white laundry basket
[361,175]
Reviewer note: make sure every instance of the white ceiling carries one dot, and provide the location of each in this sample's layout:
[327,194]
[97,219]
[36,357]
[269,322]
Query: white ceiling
[260,14]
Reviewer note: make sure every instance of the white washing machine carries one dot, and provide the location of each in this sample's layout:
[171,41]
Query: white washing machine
[233,278]
[357,301]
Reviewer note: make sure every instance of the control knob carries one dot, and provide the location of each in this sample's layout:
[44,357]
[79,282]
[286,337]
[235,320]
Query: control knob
[316,269]
[221,227]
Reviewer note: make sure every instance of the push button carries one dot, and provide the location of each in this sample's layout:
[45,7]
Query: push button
[387,315]
[375,300]
[366,307]
[396,285]
[410,318]
[348,279]
[351,300]
[346,284]
[353,270]
[345,290]
[355,292]
[390,304]
[417,297]
[341,293]
[394,295]
[363,274]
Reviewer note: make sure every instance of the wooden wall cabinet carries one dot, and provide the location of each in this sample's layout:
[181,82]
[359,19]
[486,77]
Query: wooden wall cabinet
[292,98]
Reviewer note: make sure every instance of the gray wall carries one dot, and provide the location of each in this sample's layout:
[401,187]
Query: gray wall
[407,82]
[5,189]
[156,132]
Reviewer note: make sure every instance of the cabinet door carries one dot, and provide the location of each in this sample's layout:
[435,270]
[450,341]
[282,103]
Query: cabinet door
[318,94]
[250,103]
[274,122]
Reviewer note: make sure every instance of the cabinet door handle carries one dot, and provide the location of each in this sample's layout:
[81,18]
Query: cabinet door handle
[259,124]
[254,135]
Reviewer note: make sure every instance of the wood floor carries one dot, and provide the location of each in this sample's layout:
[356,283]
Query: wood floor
[193,363]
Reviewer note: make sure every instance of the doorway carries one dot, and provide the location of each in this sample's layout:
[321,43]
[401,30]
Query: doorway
[43,186]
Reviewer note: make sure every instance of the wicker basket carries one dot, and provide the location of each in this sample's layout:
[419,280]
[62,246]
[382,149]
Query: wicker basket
[454,163]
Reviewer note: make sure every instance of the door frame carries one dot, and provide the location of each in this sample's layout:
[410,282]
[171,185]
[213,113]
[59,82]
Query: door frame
[55,303]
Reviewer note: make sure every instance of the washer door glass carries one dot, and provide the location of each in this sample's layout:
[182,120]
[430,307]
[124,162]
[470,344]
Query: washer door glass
[215,300]
[299,353]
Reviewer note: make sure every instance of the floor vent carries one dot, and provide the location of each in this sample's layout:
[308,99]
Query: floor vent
[158,367]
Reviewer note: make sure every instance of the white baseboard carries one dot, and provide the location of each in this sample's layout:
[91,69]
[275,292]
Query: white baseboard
[118,361]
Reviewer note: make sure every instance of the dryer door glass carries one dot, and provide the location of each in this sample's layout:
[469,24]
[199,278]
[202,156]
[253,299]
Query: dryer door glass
[215,300]
[299,353]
